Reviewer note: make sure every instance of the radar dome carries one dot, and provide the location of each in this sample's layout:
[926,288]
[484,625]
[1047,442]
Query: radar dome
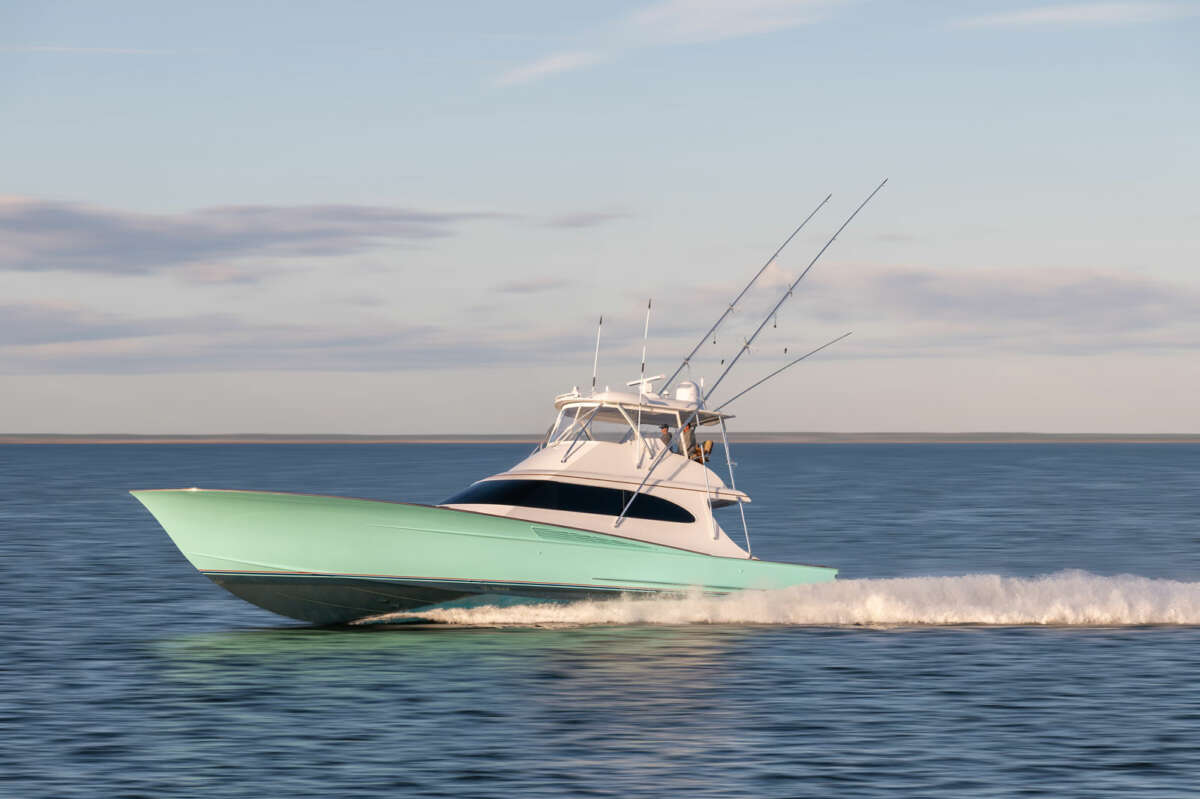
[687,392]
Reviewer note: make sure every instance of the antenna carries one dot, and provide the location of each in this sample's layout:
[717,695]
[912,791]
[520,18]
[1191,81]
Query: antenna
[745,347]
[596,358]
[738,298]
[642,382]
[645,336]
[777,371]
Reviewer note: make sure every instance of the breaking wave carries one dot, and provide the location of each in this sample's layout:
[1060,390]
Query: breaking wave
[1065,598]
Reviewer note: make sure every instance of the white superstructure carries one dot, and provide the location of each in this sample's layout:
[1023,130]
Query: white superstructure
[605,446]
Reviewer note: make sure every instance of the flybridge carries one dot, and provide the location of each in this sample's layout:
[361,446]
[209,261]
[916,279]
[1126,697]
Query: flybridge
[625,406]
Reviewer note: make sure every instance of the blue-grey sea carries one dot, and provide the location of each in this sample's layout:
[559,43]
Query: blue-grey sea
[1011,620]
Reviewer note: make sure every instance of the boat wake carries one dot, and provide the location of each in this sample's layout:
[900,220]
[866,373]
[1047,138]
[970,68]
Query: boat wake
[1071,598]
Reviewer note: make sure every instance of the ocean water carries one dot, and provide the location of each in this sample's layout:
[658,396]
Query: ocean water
[1011,620]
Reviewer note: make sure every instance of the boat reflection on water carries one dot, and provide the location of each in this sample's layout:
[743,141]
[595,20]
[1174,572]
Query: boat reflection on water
[443,656]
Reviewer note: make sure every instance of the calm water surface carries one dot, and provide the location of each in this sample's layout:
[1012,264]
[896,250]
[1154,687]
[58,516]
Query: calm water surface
[125,673]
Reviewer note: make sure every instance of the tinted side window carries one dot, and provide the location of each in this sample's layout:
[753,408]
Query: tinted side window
[568,496]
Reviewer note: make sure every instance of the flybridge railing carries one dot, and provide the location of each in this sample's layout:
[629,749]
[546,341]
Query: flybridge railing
[581,425]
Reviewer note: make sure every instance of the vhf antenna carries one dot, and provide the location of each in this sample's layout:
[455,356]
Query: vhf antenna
[738,298]
[642,382]
[596,358]
[645,336]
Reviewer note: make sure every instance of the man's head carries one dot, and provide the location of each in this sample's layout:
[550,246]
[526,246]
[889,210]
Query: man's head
[664,427]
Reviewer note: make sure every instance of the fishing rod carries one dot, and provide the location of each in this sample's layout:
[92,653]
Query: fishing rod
[738,298]
[777,371]
[787,294]
[746,346]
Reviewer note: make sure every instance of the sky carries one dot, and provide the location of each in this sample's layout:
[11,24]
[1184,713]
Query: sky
[403,217]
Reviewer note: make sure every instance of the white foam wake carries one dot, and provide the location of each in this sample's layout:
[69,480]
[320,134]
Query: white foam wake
[1065,598]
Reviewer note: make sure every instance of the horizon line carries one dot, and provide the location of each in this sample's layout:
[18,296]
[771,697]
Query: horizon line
[749,437]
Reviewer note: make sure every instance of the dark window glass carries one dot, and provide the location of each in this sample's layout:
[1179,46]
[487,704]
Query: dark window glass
[568,496]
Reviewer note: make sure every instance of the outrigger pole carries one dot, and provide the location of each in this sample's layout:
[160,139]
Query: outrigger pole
[746,346]
[777,371]
[738,298]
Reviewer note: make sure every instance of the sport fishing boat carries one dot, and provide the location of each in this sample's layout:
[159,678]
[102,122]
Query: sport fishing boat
[567,522]
[608,503]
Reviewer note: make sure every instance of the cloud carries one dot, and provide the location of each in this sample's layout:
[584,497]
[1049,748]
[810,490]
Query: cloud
[674,22]
[689,21]
[56,323]
[44,338]
[1083,14]
[585,219]
[1079,298]
[680,22]
[550,65]
[919,312]
[1060,311]
[39,235]
[911,312]
[534,286]
[217,274]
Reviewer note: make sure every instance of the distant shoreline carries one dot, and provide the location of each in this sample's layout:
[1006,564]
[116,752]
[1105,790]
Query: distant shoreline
[737,438]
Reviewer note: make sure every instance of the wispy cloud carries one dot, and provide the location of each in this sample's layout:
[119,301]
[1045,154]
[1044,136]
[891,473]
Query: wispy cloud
[1078,298]
[675,22]
[37,323]
[70,339]
[1083,14]
[221,274]
[84,50]
[1062,311]
[922,312]
[908,312]
[550,65]
[689,21]
[40,235]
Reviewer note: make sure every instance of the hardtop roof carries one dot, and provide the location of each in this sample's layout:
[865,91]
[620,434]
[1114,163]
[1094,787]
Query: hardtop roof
[655,410]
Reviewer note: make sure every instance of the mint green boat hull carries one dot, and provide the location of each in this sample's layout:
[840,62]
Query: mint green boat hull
[331,560]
